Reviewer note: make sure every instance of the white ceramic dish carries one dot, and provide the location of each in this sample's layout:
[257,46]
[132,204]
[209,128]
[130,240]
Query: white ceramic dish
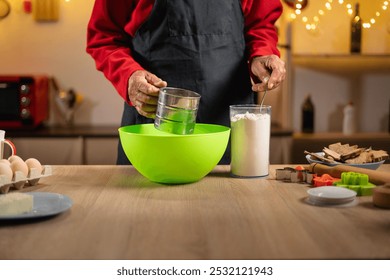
[44,205]
[352,203]
[331,195]
[372,165]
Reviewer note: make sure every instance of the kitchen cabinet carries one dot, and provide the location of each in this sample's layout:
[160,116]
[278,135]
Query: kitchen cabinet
[98,151]
[98,145]
[67,145]
[280,149]
[71,150]
[50,150]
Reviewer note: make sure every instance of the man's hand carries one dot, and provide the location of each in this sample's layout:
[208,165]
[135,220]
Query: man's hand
[268,71]
[143,88]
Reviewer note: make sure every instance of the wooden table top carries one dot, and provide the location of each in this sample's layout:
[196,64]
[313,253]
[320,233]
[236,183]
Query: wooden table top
[119,214]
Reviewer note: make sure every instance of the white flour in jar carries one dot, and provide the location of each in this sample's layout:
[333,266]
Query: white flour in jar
[250,137]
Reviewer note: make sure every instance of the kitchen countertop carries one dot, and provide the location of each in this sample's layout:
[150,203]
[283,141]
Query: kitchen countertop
[119,214]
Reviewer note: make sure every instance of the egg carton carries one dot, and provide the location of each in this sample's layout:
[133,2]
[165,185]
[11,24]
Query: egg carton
[19,180]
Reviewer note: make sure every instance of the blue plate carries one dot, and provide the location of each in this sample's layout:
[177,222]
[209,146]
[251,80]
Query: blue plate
[44,205]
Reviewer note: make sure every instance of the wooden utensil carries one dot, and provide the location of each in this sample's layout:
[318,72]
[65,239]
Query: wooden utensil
[376,177]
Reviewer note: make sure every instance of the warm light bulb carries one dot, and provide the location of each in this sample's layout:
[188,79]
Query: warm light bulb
[328,5]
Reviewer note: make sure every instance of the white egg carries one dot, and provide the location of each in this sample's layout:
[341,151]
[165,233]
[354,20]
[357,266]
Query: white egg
[21,166]
[6,161]
[15,158]
[5,169]
[34,163]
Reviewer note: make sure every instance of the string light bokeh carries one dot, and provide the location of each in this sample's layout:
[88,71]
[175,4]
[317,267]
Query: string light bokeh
[311,24]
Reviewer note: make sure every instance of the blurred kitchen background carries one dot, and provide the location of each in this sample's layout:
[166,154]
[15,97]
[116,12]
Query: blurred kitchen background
[314,38]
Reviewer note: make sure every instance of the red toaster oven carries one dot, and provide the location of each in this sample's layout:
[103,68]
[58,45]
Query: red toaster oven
[24,101]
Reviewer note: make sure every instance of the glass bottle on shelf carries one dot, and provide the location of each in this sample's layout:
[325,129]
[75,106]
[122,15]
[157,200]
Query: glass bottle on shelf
[308,115]
[356,31]
[349,122]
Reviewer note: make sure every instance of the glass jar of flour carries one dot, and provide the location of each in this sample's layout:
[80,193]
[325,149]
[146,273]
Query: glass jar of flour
[250,140]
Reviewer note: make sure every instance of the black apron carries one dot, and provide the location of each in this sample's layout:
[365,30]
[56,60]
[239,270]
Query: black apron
[197,45]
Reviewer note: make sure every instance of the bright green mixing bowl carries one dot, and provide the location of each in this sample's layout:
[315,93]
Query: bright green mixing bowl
[171,158]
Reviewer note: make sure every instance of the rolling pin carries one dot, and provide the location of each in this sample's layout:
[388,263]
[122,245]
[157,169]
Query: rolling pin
[375,177]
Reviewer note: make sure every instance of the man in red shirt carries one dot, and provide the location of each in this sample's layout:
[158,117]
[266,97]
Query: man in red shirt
[223,49]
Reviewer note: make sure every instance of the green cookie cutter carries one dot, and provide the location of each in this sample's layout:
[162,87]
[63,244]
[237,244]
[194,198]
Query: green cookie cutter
[357,182]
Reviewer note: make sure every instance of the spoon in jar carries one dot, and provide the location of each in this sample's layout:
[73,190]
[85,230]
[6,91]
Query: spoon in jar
[265,92]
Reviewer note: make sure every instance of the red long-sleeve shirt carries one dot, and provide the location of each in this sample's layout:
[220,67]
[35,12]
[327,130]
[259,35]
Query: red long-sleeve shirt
[113,22]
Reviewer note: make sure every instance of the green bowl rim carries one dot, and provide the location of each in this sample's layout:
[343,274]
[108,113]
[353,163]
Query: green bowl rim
[167,134]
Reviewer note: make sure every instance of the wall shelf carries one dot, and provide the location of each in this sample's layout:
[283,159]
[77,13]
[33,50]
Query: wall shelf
[343,63]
